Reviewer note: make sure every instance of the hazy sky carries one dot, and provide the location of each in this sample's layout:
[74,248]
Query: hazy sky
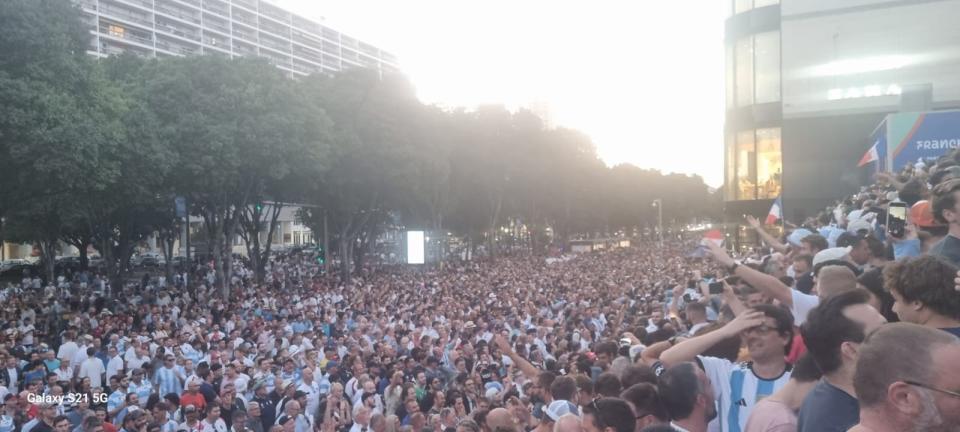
[643,78]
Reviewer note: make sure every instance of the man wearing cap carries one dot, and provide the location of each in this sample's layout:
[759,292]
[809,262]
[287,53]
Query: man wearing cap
[292,411]
[267,405]
[193,396]
[191,421]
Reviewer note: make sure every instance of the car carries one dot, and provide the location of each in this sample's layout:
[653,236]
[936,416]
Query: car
[12,263]
[17,270]
[147,259]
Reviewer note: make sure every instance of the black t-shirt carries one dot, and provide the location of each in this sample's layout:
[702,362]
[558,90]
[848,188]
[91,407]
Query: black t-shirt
[828,409]
[949,249]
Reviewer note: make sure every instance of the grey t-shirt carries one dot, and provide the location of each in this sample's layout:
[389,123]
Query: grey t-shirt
[948,248]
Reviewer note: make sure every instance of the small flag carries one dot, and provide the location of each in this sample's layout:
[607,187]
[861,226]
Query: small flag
[870,156]
[776,212]
[712,236]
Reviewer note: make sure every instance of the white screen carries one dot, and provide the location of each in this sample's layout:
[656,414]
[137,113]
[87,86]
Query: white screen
[414,247]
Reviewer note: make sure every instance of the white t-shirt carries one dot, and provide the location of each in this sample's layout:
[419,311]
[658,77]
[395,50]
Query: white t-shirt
[93,368]
[802,305]
[67,351]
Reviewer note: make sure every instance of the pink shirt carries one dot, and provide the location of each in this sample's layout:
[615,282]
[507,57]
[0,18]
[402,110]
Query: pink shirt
[771,416]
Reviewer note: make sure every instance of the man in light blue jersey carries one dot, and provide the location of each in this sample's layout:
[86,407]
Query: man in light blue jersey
[168,379]
[767,331]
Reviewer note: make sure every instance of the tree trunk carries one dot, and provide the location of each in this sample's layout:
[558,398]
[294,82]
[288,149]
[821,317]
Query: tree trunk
[82,249]
[346,252]
[48,252]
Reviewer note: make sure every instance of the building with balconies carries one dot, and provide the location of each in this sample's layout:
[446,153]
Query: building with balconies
[230,28]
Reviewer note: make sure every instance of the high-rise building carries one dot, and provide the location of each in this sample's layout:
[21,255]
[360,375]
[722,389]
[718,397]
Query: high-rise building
[808,81]
[230,28]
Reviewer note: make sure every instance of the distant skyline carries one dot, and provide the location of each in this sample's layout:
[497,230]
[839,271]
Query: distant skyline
[643,79]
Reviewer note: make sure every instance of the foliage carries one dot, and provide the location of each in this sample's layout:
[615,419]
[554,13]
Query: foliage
[94,151]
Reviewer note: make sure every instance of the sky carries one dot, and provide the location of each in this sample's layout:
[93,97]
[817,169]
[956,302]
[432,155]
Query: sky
[642,78]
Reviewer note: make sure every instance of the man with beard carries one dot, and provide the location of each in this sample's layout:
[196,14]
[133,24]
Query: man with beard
[767,331]
[907,380]
[687,394]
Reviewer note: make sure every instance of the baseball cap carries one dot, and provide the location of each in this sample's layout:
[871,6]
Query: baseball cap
[559,408]
[832,254]
[922,215]
[189,409]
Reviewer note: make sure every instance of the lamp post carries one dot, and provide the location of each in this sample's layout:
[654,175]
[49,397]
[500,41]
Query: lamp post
[658,203]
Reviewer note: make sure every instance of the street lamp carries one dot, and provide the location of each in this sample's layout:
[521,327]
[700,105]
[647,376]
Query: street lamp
[658,203]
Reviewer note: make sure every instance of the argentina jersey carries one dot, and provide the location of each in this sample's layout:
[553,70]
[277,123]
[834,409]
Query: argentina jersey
[737,390]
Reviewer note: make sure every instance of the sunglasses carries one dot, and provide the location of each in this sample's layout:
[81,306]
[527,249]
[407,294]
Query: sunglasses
[929,387]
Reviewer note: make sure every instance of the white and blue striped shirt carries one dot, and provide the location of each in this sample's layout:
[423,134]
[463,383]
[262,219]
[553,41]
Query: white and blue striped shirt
[738,389]
[168,382]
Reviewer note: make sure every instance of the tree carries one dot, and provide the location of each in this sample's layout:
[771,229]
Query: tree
[237,125]
[372,137]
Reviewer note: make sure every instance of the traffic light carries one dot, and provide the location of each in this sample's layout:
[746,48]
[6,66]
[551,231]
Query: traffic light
[321,255]
[258,206]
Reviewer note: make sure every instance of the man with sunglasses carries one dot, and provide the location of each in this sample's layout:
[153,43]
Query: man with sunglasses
[907,379]
[767,331]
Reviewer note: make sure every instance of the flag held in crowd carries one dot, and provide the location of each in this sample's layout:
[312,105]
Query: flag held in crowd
[871,155]
[776,212]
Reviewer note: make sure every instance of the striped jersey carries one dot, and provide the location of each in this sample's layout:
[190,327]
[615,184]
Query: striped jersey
[738,389]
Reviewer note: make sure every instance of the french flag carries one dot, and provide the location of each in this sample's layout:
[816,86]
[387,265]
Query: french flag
[870,156]
[776,212]
[712,236]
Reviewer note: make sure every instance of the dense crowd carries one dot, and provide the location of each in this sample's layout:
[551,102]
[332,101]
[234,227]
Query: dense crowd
[793,335]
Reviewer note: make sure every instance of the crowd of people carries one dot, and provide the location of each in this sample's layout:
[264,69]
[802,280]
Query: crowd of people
[798,334]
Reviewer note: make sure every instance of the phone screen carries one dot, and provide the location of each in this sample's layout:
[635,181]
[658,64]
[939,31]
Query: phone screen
[897,219]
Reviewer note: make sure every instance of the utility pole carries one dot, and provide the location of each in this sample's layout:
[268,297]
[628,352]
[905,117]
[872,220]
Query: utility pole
[658,203]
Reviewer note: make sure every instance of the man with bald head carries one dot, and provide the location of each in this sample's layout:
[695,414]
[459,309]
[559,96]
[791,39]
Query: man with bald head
[907,380]
[500,420]
[568,423]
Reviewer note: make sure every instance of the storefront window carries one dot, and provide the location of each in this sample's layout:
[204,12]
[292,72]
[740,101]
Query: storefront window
[746,166]
[766,47]
[769,163]
[744,70]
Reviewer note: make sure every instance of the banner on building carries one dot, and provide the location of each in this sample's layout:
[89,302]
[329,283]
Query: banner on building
[905,138]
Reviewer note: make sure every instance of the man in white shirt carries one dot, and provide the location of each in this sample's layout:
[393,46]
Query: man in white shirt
[69,348]
[82,354]
[138,360]
[92,368]
[132,352]
[115,364]
[65,371]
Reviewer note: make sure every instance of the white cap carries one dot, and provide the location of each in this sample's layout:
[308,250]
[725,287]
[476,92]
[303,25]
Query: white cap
[832,254]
